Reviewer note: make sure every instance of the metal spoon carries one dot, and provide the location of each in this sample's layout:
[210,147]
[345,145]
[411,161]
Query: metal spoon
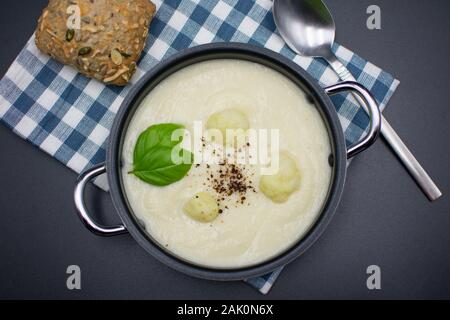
[309,29]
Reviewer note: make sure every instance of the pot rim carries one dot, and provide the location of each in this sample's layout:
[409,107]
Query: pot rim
[232,51]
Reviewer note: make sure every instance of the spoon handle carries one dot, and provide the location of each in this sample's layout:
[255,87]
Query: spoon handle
[410,162]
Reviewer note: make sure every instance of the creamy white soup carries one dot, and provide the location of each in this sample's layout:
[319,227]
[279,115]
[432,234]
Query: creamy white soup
[254,216]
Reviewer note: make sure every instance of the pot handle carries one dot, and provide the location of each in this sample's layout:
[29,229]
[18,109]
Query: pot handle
[80,205]
[371,107]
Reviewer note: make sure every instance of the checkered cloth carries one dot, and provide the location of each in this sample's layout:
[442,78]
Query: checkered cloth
[69,116]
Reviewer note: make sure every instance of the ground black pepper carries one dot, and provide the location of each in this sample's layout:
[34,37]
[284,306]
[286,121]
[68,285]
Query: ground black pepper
[229,180]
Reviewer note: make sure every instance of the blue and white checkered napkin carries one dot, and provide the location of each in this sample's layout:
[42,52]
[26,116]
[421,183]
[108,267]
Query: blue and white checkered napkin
[69,116]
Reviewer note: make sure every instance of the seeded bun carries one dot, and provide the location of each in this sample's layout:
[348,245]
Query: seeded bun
[108,41]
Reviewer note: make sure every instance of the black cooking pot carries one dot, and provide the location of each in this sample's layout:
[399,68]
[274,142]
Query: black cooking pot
[226,51]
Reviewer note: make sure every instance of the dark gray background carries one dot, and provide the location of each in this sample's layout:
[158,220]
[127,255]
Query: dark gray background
[383,219]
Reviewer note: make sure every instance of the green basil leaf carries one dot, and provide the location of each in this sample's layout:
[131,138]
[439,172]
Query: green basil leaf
[156,135]
[153,156]
[158,169]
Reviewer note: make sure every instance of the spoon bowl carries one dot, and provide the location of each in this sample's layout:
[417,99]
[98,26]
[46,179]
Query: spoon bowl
[307,26]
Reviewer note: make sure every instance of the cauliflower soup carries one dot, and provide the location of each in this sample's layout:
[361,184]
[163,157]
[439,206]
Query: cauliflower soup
[224,214]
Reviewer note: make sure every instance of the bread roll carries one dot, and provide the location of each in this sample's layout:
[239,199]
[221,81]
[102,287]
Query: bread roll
[103,39]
